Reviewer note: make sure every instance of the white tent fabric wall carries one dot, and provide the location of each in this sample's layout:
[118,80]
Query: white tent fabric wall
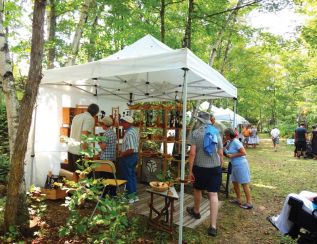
[148,70]
[48,150]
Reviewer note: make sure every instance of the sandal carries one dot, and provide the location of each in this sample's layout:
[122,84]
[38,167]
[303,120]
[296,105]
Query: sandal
[246,206]
[191,212]
[235,202]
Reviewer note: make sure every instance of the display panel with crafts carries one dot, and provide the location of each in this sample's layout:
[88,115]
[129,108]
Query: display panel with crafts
[160,128]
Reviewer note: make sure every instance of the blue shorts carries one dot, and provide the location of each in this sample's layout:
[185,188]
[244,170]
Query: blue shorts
[241,173]
[207,178]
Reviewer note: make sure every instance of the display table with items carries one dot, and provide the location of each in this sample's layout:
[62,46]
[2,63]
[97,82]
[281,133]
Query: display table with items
[162,217]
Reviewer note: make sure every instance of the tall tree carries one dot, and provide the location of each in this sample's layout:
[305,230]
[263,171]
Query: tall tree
[188,27]
[231,17]
[79,31]
[7,79]
[16,176]
[51,29]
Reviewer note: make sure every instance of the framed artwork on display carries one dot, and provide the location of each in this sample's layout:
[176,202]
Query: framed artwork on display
[151,166]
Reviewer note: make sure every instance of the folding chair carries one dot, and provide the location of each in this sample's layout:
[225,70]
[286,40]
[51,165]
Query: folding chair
[109,167]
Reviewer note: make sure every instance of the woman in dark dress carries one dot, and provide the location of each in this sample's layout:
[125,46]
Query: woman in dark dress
[314,141]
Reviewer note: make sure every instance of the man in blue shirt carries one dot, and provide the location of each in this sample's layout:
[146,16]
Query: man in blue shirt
[128,157]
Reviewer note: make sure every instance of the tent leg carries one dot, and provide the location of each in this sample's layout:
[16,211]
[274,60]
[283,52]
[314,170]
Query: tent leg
[181,202]
[235,112]
[33,146]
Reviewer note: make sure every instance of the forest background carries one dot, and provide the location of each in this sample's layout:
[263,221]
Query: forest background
[275,76]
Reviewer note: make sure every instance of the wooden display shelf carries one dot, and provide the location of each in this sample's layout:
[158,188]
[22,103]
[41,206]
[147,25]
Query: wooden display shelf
[54,194]
[167,119]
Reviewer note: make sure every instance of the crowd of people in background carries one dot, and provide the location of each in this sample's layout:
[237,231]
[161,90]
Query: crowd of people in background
[249,136]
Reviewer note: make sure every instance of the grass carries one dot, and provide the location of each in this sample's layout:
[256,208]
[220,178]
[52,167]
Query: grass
[273,176]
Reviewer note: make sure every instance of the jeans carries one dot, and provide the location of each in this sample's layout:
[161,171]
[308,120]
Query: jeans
[127,170]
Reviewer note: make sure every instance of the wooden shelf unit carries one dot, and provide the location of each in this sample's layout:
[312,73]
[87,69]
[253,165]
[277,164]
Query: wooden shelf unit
[163,122]
[68,114]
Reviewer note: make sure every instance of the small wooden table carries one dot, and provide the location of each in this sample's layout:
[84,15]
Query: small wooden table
[167,211]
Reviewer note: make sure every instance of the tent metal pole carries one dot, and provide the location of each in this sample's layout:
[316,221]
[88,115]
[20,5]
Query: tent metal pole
[181,201]
[33,146]
[235,112]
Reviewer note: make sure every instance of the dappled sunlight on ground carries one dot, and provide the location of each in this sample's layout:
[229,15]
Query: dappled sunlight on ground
[264,186]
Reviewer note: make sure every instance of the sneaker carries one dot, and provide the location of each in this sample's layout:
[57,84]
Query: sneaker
[136,199]
[246,206]
[191,212]
[212,231]
[131,201]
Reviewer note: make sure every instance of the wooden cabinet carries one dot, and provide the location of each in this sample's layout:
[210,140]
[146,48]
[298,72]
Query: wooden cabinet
[159,125]
[68,113]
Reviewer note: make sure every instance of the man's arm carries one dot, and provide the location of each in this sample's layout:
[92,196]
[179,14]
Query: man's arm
[126,153]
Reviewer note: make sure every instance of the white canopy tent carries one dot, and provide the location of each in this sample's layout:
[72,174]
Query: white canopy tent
[147,70]
[229,116]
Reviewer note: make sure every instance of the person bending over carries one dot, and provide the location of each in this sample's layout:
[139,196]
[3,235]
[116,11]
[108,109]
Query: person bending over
[235,151]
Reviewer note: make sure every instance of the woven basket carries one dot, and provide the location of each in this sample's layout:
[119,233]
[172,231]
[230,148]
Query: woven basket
[159,186]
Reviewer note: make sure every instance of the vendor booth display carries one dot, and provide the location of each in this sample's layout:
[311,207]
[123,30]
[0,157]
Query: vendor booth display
[145,71]
[158,125]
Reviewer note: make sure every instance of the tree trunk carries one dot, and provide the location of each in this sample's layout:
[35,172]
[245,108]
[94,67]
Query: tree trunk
[78,33]
[51,29]
[225,57]
[16,175]
[93,35]
[217,43]
[162,17]
[188,30]
[6,76]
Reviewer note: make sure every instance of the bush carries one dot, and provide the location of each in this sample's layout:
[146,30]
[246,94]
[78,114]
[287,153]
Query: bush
[107,225]
[4,169]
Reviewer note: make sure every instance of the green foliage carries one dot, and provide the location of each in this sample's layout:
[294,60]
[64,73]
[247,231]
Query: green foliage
[106,225]
[2,205]
[167,177]
[110,219]
[90,140]
[4,169]
[4,138]
[11,236]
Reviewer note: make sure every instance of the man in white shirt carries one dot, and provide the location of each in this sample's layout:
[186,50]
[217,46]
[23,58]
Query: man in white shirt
[82,124]
[275,134]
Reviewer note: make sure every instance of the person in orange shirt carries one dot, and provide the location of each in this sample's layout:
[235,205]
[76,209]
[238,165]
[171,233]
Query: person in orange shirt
[246,135]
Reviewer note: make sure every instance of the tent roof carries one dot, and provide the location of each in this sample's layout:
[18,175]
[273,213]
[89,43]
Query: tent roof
[147,70]
[228,115]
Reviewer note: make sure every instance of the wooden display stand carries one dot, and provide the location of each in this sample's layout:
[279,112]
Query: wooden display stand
[168,118]
[54,194]
[166,211]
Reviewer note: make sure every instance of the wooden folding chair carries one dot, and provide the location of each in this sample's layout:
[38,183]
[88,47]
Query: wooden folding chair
[109,167]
